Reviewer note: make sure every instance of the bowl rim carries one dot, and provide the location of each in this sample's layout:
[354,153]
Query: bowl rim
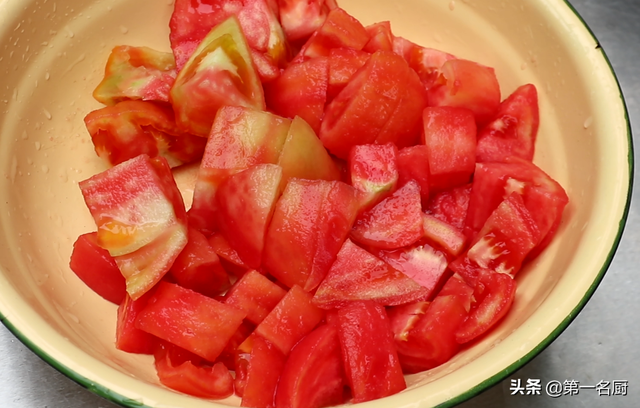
[109,394]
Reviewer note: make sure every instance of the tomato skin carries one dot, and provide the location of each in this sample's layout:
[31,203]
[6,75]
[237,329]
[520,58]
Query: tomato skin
[193,378]
[370,360]
[312,376]
[359,275]
[190,320]
[470,85]
[382,103]
[514,129]
[393,223]
[136,73]
[130,128]
[97,268]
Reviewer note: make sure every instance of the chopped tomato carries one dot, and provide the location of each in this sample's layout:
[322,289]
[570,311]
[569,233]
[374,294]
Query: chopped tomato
[467,84]
[513,130]
[443,235]
[312,376]
[190,320]
[131,128]
[97,268]
[140,217]
[450,135]
[413,164]
[301,90]
[374,171]
[370,359]
[380,37]
[451,206]
[254,294]
[128,337]
[357,275]
[136,73]
[382,103]
[246,202]
[393,223]
[197,379]
[266,363]
[343,64]
[220,72]
[301,18]
[427,62]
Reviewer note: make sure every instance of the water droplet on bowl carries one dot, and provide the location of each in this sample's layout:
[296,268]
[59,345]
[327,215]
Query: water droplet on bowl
[588,122]
[38,145]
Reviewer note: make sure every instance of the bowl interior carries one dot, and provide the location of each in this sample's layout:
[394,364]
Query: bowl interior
[52,56]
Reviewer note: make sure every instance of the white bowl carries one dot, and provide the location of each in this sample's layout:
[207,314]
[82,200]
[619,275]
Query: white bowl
[52,55]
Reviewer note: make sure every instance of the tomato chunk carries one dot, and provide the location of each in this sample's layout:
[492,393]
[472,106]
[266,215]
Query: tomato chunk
[300,18]
[374,171]
[382,103]
[359,275]
[393,223]
[256,295]
[136,73]
[131,128]
[370,358]
[266,363]
[190,320]
[413,164]
[128,337]
[312,376]
[97,268]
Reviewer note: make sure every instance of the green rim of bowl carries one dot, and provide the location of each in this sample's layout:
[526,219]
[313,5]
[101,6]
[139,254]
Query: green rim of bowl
[108,394]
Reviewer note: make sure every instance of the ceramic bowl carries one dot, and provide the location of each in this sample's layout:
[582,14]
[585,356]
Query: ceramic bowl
[52,55]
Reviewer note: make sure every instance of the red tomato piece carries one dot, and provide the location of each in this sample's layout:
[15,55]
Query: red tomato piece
[220,72]
[343,64]
[359,275]
[228,256]
[263,31]
[451,206]
[413,164]
[312,376]
[198,267]
[513,130]
[443,235]
[422,263]
[303,155]
[128,337]
[301,90]
[403,318]
[427,62]
[502,243]
[431,341]
[203,381]
[374,171]
[266,363]
[140,217]
[370,359]
[450,135]
[544,197]
[256,295]
[499,290]
[190,320]
[301,18]
[294,317]
[315,218]
[240,138]
[136,73]
[131,128]
[97,268]
[382,103]
[230,354]
[380,37]
[246,202]
[339,30]
[467,84]
[395,222]
[192,20]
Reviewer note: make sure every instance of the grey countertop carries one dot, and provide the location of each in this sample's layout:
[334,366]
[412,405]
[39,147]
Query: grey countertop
[600,346]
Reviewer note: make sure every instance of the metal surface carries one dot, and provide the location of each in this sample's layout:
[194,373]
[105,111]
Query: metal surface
[599,346]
